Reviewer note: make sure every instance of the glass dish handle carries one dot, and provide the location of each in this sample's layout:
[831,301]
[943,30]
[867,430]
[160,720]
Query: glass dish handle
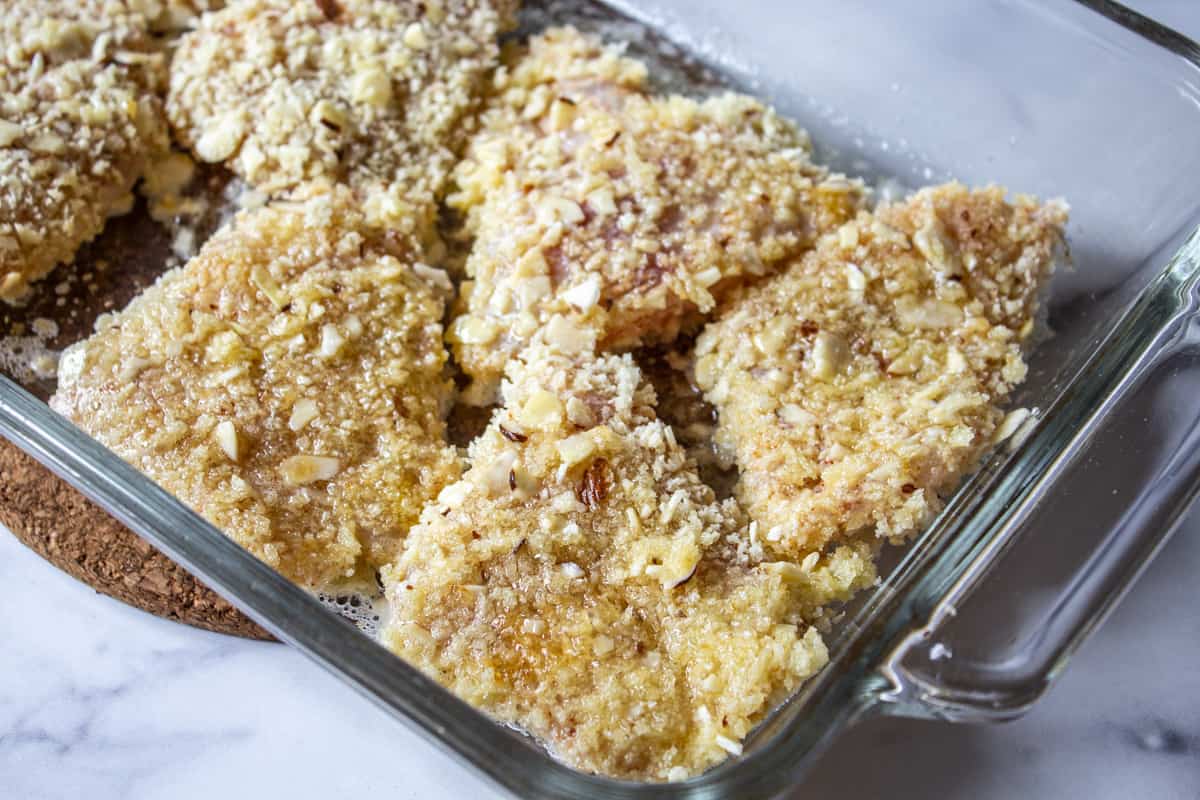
[921,674]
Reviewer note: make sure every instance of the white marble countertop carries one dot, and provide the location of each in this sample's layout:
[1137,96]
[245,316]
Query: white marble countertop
[103,702]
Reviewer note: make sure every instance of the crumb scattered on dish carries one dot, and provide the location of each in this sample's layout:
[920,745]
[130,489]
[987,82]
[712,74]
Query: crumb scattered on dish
[288,383]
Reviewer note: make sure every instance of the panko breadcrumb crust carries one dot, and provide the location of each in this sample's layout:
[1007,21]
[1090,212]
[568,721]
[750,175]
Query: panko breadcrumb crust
[375,94]
[80,119]
[607,214]
[288,383]
[859,386]
[582,582]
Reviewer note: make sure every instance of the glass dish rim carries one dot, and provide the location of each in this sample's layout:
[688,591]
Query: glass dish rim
[864,674]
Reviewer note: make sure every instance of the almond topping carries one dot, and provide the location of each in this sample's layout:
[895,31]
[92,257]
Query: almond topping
[226,435]
[9,132]
[221,139]
[267,285]
[302,469]
[303,412]
[584,295]
[331,340]
[596,482]
[542,410]
[576,448]
[414,37]
[372,87]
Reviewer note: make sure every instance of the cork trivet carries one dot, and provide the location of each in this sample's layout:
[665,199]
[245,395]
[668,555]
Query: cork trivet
[78,537]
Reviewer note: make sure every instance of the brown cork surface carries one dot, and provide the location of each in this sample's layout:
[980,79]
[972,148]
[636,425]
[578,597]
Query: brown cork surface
[70,532]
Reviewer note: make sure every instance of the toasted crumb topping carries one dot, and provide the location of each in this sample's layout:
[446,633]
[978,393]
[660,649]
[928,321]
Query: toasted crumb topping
[581,581]
[621,214]
[79,120]
[372,93]
[855,389]
[287,383]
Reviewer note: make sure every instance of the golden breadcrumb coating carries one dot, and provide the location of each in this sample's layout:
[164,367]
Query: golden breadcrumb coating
[582,582]
[618,216]
[855,389]
[79,121]
[287,383]
[372,93]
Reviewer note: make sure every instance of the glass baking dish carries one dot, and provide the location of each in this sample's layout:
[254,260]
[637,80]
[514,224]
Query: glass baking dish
[1079,99]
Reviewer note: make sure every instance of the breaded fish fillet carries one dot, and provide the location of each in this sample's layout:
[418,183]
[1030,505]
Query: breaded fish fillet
[80,119]
[582,582]
[616,215]
[858,387]
[371,93]
[287,383]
